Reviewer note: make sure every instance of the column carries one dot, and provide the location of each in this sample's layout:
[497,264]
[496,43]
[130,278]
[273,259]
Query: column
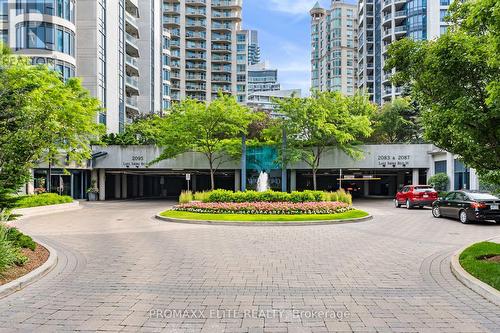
[193,182]
[102,184]
[30,187]
[450,169]
[118,182]
[141,186]
[124,187]
[293,180]
[415,177]
[135,186]
[473,180]
[366,188]
[237,180]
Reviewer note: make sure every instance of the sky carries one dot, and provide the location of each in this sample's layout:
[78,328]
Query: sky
[284,37]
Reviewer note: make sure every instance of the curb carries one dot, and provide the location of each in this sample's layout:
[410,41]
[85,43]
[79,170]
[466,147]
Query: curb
[483,289]
[33,276]
[45,210]
[262,223]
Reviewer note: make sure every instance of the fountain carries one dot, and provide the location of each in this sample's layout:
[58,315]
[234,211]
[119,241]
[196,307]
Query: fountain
[263,182]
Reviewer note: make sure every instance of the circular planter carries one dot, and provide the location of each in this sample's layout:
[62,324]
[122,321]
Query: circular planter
[262,223]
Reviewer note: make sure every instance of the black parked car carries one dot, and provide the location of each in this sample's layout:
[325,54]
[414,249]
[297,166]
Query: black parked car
[468,206]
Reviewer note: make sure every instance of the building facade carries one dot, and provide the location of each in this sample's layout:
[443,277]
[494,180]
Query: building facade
[203,47]
[381,22]
[113,46]
[334,47]
[43,30]
[123,172]
[262,78]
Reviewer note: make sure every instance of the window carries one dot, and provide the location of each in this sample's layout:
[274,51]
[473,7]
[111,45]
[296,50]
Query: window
[443,14]
[462,176]
[440,167]
[445,2]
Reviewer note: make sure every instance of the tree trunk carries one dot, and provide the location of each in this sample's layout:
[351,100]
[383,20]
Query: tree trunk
[314,179]
[212,179]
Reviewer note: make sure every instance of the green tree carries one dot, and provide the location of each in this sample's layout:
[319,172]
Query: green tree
[325,121]
[456,82]
[397,122]
[212,129]
[41,117]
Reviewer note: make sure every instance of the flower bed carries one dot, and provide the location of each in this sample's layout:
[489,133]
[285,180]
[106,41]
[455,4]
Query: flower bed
[259,208]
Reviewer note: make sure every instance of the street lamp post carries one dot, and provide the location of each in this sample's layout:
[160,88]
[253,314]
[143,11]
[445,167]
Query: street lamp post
[284,176]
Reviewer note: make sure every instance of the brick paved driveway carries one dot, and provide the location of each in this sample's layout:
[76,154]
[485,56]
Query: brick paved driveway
[121,270]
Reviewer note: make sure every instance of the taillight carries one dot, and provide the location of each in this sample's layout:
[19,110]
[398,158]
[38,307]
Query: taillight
[478,205]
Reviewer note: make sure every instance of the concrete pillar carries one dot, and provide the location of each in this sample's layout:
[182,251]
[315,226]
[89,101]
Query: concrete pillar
[141,186]
[135,186]
[193,183]
[124,187]
[450,169]
[102,184]
[30,187]
[401,180]
[118,183]
[415,177]
[473,180]
[237,180]
[293,180]
[366,188]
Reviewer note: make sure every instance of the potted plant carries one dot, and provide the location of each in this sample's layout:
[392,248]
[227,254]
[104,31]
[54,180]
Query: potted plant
[93,191]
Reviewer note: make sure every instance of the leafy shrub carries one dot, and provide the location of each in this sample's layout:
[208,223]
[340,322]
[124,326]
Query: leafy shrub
[9,252]
[20,240]
[272,196]
[185,197]
[42,200]
[440,181]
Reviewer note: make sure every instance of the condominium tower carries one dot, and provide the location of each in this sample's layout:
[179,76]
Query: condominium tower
[113,46]
[203,47]
[381,22]
[334,47]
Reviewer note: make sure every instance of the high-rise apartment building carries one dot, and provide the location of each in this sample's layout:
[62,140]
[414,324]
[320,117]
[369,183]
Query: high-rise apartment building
[334,47]
[43,30]
[381,22]
[113,46]
[262,78]
[203,47]
[253,47]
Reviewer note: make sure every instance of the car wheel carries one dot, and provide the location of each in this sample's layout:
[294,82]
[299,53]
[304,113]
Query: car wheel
[463,217]
[408,204]
[436,212]
[397,204]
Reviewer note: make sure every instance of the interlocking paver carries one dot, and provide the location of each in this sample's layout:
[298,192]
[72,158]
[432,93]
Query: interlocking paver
[121,270]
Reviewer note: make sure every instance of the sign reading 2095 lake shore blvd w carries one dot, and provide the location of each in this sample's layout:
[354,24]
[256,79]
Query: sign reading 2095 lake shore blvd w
[395,161]
[134,161]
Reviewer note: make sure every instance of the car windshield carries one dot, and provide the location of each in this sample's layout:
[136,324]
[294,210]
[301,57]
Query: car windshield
[423,188]
[481,196]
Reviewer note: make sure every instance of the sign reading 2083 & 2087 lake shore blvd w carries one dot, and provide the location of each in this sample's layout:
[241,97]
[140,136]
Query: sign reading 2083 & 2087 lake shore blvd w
[134,161]
[395,161]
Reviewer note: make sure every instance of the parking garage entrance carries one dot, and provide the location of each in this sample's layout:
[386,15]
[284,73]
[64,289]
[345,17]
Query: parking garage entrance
[157,184]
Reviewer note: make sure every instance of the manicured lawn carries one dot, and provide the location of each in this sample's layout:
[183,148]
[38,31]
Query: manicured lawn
[487,271]
[263,218]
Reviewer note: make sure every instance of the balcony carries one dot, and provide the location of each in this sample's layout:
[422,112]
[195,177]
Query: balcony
[226,15]
[221,58]
[132,7]
[131,46]
[171,21]
[227,3]
[131,26]
[131,104]
[132,65]
[220,48]
[132,85]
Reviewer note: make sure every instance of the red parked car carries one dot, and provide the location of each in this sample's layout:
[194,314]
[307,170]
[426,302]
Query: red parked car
[416,196]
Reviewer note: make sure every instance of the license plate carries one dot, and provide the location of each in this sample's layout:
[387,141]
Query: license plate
[426,196]
[494,207]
